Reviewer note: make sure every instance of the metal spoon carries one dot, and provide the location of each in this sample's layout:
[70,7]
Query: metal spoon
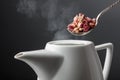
[97,19]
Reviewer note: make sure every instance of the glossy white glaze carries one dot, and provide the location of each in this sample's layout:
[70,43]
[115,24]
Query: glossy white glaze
[68,60]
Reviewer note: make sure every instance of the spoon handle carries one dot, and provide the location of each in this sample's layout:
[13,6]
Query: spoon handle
[106,9]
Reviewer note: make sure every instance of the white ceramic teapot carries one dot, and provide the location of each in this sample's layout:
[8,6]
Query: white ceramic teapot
[69,60]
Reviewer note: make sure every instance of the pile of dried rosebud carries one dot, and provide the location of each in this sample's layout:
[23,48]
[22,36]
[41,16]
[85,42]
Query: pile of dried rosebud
[81,23]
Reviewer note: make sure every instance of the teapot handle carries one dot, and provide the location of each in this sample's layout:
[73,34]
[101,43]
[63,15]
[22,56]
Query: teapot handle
[108,58]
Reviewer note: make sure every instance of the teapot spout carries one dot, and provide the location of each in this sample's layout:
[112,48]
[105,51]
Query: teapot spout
[17,56]
[44,63]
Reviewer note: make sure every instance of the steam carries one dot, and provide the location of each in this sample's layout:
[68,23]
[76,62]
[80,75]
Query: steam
[59,13]
[27,7]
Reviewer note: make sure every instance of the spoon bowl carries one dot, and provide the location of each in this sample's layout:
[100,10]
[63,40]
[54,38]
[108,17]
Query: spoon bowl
[81,33]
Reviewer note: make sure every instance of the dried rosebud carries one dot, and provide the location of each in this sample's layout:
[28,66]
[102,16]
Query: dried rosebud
[86,27]
[88,19]
[84,21]
[75,18]
[79,24]
[81,29]
[92,23]
[71,27]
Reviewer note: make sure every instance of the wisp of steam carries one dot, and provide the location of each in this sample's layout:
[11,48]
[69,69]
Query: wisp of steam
[59,13]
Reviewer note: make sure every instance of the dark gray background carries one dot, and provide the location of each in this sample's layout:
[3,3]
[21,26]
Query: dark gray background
[29,24]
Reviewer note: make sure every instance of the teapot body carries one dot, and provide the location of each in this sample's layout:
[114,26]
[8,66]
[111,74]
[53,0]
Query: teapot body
[81,61]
